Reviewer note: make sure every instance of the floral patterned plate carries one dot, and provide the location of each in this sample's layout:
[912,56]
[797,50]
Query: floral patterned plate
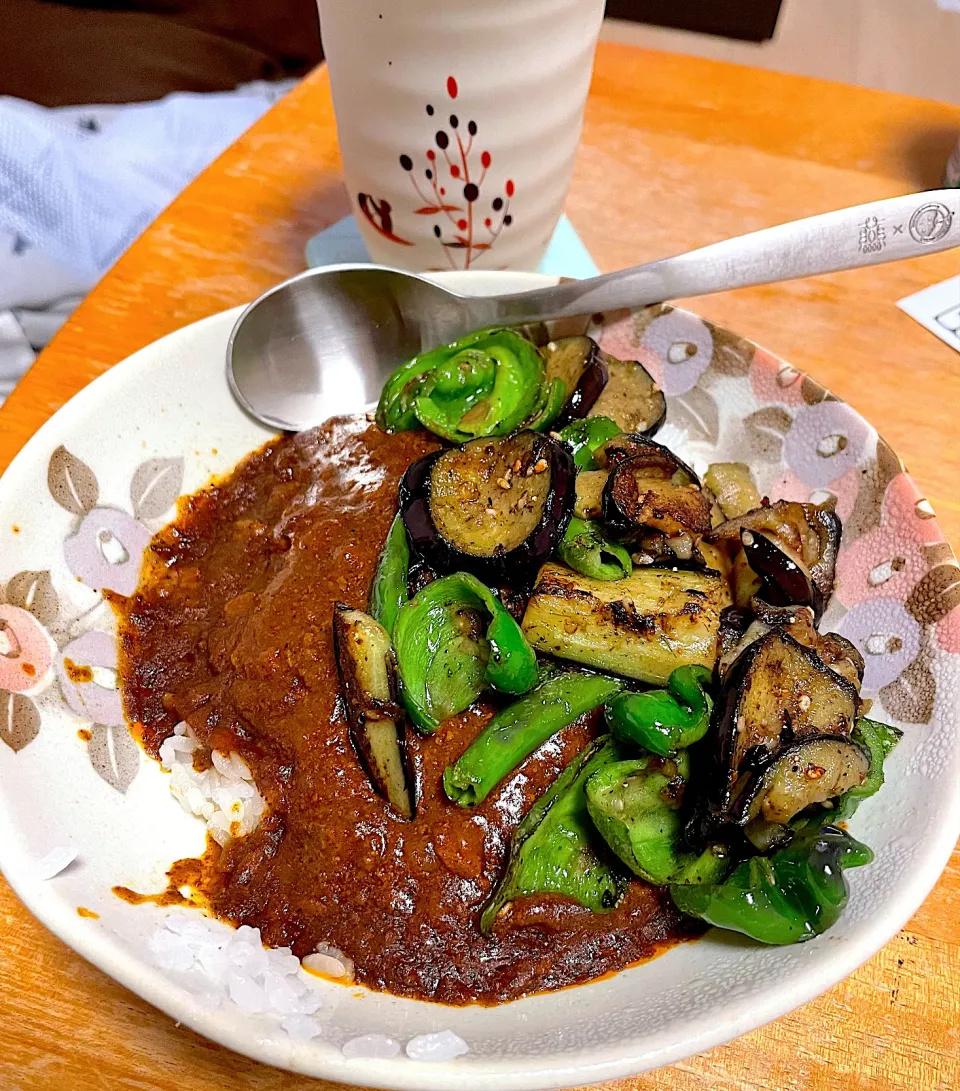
[80,502]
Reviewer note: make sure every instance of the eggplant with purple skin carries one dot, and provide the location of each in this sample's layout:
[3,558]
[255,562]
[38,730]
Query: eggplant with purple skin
[659,461]
[581,366]
[649,488]
[631,397]
[838,653]
[777,693]
[368,678]
[818,769]
[494,507]
[739,628]
[791,547]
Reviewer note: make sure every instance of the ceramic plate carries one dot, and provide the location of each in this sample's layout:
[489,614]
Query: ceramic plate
[80,502]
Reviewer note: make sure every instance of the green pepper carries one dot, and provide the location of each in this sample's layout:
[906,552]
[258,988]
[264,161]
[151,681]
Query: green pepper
[389,590]
[665,720]
[791,896]
[444,661]
[585,436]
[555,849]
[516,731]
[635,807]
[878,740]
[553,399]
[584,549]
[485,384]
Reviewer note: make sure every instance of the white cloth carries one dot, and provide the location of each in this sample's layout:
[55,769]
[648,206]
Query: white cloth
[79,184]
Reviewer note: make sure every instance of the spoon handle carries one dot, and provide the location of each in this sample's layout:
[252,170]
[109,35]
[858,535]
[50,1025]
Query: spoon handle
[869,234]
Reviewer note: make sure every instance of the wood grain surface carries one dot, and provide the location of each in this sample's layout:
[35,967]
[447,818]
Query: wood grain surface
[677,152]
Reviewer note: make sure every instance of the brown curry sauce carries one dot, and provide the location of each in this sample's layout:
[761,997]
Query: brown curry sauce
[230,630]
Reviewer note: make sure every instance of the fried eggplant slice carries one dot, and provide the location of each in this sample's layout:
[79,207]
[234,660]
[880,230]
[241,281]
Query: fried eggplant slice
[631,397]
[778,692]
[493,507]
[643,627]
[813,771]
[368,677]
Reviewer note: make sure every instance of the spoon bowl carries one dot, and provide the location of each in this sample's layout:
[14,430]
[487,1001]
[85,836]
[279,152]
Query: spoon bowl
[325,341]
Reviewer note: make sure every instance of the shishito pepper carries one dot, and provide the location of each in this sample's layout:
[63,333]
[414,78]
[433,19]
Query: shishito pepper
[516,731]
[585,436]
[389,590]
[445,656]
[556,850]
[485,384]
[584,549]
[791,896]
[664,721]
[635,806]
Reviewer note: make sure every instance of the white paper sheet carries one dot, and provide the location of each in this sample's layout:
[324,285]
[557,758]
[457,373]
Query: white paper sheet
[937,308]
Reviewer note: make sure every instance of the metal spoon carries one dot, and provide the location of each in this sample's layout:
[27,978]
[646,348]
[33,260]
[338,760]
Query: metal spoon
[325,341]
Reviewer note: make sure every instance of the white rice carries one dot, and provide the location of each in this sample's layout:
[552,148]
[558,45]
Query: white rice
[56,860]
[442,1045]
[329,961]
[221,964]
[371,1047]
[226,965]
[224,796]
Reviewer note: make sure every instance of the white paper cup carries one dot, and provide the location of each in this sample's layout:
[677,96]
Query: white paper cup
[458,123]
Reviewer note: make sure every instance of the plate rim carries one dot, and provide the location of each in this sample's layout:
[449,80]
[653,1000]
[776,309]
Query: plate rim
[553,1070]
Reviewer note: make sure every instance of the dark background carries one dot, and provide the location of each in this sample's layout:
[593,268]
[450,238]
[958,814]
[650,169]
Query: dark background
[84,52]
[752,20]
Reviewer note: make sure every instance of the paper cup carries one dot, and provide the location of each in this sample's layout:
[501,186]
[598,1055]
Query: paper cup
[458,123]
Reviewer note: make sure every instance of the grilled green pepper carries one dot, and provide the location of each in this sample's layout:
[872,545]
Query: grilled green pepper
[878,740]
[553,397]
[791,896]
[445,658]
[389,590]
[485,384]
[555,849]
[585,436]
[519,729]
[635,807]
[584,549]
[664,721]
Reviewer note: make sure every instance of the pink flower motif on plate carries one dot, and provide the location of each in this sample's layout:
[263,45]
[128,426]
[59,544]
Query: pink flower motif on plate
[825,441]
[887,637]
[87,671]
[24,650]
[844,490]
[676,348]
[620,340]
[904,507]
[107,549]
[775,382]
[881,564]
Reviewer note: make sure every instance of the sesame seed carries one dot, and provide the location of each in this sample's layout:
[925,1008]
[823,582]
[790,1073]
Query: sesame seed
[503,483]
[491,511]
[517,466]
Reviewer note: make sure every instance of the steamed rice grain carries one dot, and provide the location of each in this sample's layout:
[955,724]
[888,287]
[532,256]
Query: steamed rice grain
[224,796]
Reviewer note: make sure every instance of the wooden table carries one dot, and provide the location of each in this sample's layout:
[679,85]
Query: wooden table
[676,153]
